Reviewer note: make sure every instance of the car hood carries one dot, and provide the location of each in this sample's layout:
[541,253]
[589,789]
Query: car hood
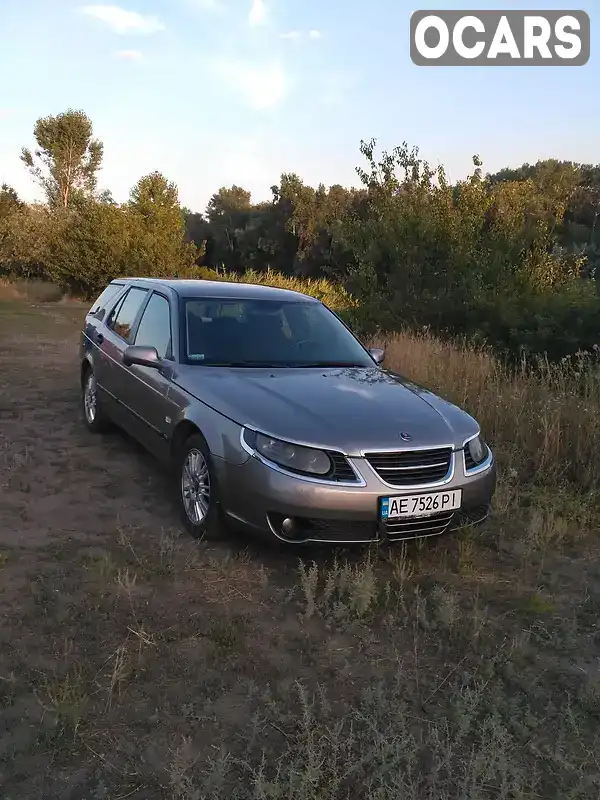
[346,409]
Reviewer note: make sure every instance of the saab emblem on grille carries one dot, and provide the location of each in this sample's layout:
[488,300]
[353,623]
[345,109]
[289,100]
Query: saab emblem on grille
[406,437]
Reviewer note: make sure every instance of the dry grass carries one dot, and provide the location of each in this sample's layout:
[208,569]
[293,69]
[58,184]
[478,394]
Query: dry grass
[544,425]
[137,663]
[31,291]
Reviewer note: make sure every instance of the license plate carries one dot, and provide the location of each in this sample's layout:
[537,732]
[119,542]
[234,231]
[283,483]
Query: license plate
[419,505]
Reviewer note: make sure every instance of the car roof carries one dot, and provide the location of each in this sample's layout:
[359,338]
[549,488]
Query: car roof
[221,289]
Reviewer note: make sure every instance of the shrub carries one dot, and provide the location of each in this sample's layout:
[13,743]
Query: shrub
[332,294]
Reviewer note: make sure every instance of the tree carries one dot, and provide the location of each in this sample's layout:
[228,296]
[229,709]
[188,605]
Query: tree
[88,246]
[228,213]
[295,205]
[9,201]
[158,221]
[106,198]
[156,199]
[67,157]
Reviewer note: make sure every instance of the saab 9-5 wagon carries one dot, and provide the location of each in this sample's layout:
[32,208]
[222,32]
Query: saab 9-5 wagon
[273,416]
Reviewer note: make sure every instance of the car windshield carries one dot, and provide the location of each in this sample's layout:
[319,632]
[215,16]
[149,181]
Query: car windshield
[268,333]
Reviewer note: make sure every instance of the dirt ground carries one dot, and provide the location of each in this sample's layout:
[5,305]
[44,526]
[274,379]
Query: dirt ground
[137,663]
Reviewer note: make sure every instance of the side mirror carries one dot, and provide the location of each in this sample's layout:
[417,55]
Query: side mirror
[377,354]
[142,356]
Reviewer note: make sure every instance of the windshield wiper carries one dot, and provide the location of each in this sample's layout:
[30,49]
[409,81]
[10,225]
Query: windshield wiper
[265,364]
[310,364]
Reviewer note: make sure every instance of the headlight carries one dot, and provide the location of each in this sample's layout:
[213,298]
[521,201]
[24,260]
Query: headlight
[292,456]
[478,449]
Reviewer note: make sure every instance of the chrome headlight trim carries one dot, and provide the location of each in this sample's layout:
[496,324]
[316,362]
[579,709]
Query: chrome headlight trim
[249,435]
[483,465]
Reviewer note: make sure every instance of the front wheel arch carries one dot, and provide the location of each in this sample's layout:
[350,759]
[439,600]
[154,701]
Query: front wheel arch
[212,526]
[183,431]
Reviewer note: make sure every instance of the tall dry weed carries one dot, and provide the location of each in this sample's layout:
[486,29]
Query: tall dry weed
[544,423]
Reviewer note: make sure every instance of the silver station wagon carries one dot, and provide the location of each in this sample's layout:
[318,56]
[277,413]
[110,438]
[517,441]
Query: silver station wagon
[272,416]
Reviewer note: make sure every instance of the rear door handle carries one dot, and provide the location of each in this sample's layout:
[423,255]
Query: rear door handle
[99,338]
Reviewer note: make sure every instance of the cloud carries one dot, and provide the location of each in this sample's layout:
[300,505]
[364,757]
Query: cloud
[123,21]
[129,55]
[258,13]
[293,36]
[297,36]
[261,86]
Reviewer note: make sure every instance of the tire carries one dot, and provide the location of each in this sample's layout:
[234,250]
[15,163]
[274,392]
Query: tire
[94,417]
[196,488]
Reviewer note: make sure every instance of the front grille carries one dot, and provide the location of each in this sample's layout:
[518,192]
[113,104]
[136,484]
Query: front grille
[342,471]
[434,525]
[412,467]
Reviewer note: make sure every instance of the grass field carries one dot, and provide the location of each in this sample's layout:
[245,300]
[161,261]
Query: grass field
[137,663]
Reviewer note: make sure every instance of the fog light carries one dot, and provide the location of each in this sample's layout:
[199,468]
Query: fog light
[288,526]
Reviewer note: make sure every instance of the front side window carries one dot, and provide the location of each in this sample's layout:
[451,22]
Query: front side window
[125,313]
[154,329]
[221,332]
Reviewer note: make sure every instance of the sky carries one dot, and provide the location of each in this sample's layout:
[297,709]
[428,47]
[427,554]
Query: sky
[217,92]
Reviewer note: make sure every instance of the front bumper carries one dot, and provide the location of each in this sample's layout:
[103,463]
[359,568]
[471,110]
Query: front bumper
[261,497]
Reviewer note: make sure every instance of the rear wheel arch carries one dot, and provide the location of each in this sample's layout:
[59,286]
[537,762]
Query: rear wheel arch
[86,367]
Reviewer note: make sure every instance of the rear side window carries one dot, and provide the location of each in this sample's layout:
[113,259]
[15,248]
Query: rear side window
[124,315]
[104,299]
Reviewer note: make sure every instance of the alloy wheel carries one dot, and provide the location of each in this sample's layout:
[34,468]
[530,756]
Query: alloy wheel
[195,487]
[89,398]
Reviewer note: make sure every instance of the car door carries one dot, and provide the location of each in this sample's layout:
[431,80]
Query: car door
[93,339]
[118,334]
[147,393]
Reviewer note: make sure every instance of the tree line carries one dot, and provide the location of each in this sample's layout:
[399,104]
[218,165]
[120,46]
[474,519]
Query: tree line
[510,257]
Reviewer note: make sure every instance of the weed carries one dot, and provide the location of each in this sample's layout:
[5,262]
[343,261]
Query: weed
[544,424]
[65,699]
[342,591]
[119,673]
[538,604]
[105,567]
[224,634]
[466,552]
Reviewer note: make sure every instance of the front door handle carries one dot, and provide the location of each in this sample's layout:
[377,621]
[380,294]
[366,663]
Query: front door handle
[99,338]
